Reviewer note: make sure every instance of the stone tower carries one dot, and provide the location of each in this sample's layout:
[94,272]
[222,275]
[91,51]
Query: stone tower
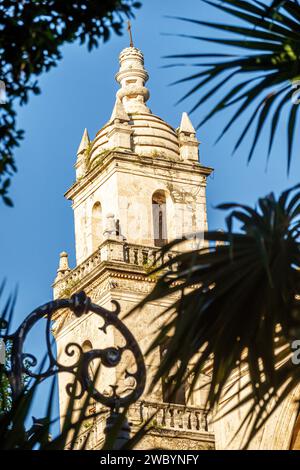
[139,184]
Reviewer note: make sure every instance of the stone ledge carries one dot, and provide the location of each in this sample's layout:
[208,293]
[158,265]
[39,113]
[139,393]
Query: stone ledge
[128,260]
[130,157]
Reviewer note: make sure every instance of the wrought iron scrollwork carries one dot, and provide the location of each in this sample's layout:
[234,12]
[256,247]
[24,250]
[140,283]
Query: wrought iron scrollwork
[22,362]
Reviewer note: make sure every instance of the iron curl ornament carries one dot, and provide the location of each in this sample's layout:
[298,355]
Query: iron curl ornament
[80,304]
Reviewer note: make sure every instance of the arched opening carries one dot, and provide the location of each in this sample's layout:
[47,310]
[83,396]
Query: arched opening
[87,346]
[159,214]
[97,225]
[171,393]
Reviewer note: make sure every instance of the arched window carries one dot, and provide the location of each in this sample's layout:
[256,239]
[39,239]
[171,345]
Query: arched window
[97,225]
[159,214]
[170,393]
[87,346]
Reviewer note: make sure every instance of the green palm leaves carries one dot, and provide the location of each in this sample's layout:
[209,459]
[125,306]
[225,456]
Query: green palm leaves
[259,76]
[235,306]
[32,34]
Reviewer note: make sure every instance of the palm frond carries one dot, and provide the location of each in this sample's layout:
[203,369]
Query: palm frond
[231,301]
[269,37]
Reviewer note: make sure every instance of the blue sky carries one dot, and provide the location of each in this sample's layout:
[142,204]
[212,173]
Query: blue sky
[80,93]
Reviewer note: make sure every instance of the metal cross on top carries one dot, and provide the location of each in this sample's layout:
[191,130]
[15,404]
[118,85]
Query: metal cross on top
[130,33]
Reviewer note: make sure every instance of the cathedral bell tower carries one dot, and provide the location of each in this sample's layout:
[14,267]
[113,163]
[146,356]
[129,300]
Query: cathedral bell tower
[139,184]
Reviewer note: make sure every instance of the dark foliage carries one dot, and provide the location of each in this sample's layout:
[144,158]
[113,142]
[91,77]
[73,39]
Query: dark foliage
[237,306]
[259,77]
[32,34]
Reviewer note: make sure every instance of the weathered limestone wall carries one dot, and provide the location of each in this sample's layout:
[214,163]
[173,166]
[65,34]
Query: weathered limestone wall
[275,434]
[128,290]
[125,189]
[134,156]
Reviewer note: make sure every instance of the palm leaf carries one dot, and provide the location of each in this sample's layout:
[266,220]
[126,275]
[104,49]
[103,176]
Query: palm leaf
[230,301]
[269,38]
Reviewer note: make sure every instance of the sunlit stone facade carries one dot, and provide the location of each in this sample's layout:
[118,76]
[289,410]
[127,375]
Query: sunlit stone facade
[139,183]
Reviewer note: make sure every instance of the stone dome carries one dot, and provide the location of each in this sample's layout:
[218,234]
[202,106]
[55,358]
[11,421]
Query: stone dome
[132,126]
[151,136]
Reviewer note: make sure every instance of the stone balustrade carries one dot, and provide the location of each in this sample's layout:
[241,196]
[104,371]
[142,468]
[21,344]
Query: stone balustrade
[93,437]
[63,285]
[170,416]
[141,256]
[163,416]
[144,256]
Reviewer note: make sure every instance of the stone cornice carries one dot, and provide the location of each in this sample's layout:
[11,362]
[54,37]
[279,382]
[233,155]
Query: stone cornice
[162,163]
[125,260]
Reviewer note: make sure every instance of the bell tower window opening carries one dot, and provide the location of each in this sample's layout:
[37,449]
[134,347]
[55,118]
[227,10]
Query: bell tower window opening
[159,214]
[86,347]
[171,393]
[97,225]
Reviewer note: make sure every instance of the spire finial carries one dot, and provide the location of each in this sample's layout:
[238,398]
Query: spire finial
[130,33]
[132,77]
[85,140]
